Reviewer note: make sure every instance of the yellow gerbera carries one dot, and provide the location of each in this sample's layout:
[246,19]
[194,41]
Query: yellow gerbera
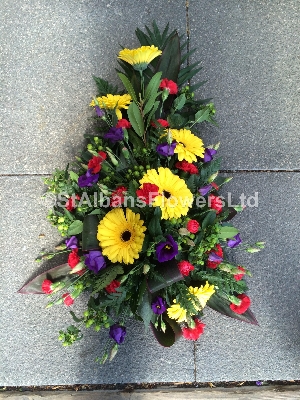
[176,312]
[121,237]
[188,145]
[175,198]
[113,102]
[141,57]
[203,293]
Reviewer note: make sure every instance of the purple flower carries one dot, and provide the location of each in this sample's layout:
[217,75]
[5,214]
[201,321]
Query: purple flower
[208,154]
[114,135]
[214,257]
[159,305]
[118,333]
[258,383]
[95,261]
[72,242]
[204,190]
[165,251]
[88,179]
[166,149]
[99,111]
[235,241]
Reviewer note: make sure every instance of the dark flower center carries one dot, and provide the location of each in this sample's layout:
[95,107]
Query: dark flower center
[126,235]
[166,194]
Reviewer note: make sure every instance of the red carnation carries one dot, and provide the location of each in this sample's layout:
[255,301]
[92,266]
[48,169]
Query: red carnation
[238,277]
[95,163]
[187,167]
[118,196]
[193,226]
[245,304]
[185,267]
[46,286]
[193,333]
[148,192]
[161,122]
[219,253]
[215,186]
[70,204]
[123,123]
[215,202]
[169,85]
[111,288]
[73,258]
[67,299]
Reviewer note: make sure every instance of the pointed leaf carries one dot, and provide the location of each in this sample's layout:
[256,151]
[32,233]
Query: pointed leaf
[170,336]
[209,219]
[136,119]
[75,228]
[170,60]
[144,310]
[56,274]
[179,102]
[128,86]
[228,232]
[89,233]
[218,303]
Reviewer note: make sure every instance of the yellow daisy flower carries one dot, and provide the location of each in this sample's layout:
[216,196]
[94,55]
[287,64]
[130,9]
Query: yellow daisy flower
[141,57]
[175,198]
[121,237]
[176,312]
[203,293]
[113,102]
[188,145]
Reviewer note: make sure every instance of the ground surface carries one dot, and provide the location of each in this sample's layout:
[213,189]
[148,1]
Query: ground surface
[250,54]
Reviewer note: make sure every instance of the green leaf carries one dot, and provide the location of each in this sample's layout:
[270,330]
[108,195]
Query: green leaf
[209,169]
[75,318]
[228,232]
[191,183]
[152,87]
[170,60]
[128,86]
[202,115]
[106,276]
[179,102]
[89,233]
[222,305]
[152,112]
[136,119]
[73,176]
[154,227]
[176,121]
[169,273]
[170,336]
[209,219]
[75,228]
[97,211]
[144,310]
[104,87]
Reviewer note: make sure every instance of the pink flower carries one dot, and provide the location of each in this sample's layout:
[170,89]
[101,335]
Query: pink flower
[46,286]
[185,267]
[193,333]
[123,123]
[243,307]
[193,226]
[68,299]
[169,85]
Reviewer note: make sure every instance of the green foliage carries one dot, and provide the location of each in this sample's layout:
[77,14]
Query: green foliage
[106,276]
[104,87]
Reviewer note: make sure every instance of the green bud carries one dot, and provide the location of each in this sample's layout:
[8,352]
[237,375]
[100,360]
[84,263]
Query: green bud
[86,313]
[114,351]
[89,323]
[183,232]
[252,250]
[50,304]
[148,166]
[125,153]
[260,244]
[61,219]
[146,269]
[96,139]
[165,94]
[135,167]
[234,300]
[59,301]
[141,168]
[113,159]
[60,227]
[106,325]
[97,328]
[89,146]
[104,317]
[212,177]
[136,173]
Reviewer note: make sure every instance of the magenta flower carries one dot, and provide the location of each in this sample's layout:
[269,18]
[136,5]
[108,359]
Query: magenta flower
[204,190]
[166,149]
[72,242]
[159,305]
[99,111]
[95,261]
[208,154]
[165,251]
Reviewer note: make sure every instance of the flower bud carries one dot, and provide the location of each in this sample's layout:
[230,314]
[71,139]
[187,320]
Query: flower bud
[183,232]
[125,153]
[112,158]
[234,300]
[146,269]
[252,250]
[212,177]
[114,351]
[79,267]
[165,94]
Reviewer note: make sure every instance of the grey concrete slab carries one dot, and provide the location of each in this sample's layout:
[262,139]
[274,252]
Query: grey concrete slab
[250,54]
[30,352]
[234,351]
[50,50]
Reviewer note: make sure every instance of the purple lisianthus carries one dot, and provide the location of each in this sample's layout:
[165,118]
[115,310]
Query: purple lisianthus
[235,241]
[72,242]
[204,190]
[114,135]
[118,333]
[166,149]
[88,179]
[165,251]
[95,261]
[209,154]
[99,111]
[159,305]
[214,257]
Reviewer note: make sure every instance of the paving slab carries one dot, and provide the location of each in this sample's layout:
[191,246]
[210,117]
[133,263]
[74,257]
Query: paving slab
[30,351]
[235,351]
[50,50]
[250,56]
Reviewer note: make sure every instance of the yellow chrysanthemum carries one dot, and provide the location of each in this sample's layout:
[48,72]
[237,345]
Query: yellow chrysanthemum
[121,238]
[176,312]
[203,293]
[188,145]
[113,102]
[141,57]
[175,198]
